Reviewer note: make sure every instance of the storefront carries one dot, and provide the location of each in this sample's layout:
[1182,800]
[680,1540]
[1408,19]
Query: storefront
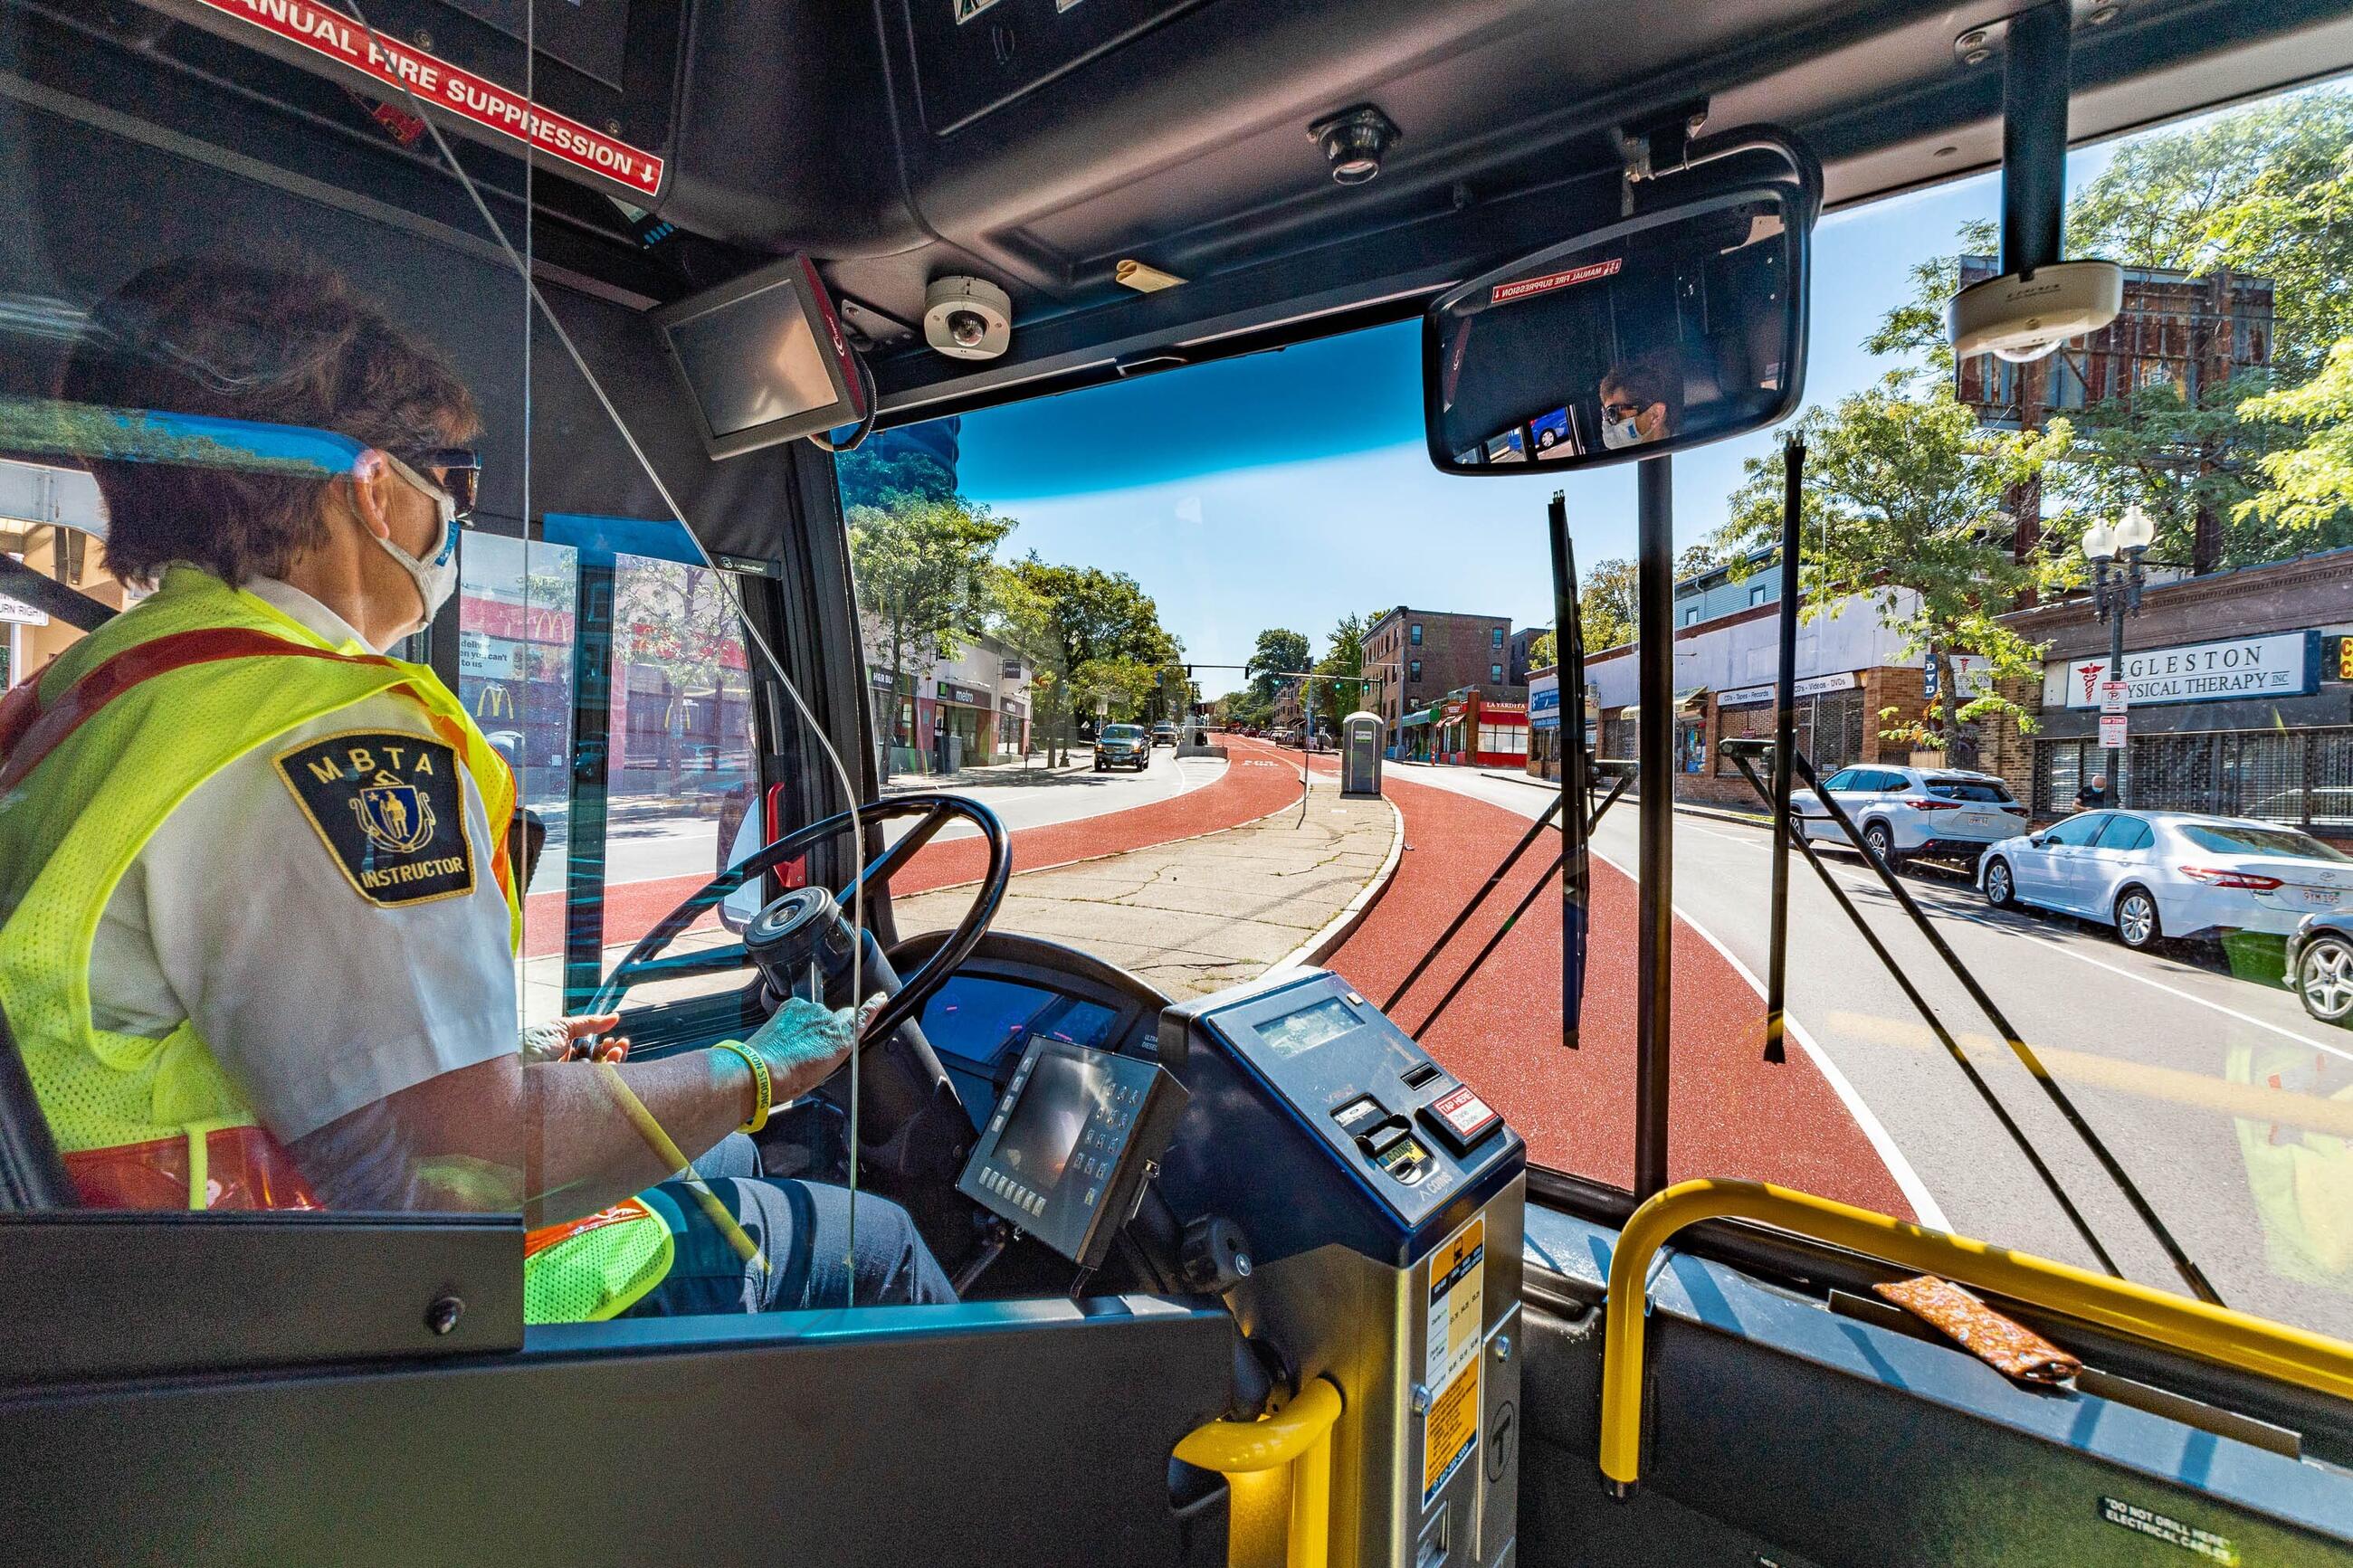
[1469,731]
[1829,714]
[2258,724]
[964,726]
[1543,723]
[2238,727]
[1413,737]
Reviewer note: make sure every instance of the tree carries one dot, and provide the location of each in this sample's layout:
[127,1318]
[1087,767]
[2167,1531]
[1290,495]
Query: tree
[1280,652]
[1608,605]
[2310,493]
[885,468]
[1113,687]
[1094,617]
[1542,651]
[681,619]
[1344,662]
[1699,557]
[926,569]
[1901,494]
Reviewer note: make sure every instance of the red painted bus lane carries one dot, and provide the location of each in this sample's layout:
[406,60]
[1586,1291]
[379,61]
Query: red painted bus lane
[1730,1112]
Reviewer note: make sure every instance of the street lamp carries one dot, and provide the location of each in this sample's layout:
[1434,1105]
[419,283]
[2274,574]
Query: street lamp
[2115,586]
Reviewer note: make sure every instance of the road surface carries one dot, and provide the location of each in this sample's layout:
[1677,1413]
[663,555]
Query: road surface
[2227,1105]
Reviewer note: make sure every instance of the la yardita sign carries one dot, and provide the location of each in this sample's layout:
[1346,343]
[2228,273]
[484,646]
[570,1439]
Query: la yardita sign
[2284,664]
[434,80]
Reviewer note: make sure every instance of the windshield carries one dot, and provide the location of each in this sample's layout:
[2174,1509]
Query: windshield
[1122,732]
[1281,556]
[2231,839]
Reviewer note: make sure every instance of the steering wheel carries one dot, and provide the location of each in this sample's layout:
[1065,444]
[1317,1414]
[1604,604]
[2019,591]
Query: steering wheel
[788,917]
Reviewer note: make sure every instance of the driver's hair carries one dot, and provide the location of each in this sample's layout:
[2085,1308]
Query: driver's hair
[1649,378]
[232,340]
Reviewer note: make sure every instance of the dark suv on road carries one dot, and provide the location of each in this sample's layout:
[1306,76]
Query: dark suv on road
[1123,746]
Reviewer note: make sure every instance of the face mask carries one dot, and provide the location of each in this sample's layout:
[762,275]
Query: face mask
[1624,433]
[437,576]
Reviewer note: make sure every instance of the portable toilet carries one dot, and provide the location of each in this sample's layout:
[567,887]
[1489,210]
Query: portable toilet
[1360,753]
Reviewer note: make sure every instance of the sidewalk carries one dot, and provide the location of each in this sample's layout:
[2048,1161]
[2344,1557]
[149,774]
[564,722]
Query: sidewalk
[1200,914]
[992,773]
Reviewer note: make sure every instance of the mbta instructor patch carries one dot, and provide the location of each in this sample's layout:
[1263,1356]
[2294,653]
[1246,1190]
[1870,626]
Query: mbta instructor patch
[392,810]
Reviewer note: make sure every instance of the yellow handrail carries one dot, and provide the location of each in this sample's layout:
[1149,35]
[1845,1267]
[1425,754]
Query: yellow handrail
[1298,1434]
[2216,1334]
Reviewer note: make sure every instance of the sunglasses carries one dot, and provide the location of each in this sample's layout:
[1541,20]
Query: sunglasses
[457,470]
[1621,410]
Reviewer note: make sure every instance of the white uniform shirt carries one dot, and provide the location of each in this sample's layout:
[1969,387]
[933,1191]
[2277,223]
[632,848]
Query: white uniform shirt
[316,1001]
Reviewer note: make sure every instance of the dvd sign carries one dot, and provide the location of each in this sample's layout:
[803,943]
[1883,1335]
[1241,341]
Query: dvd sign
[2283,664]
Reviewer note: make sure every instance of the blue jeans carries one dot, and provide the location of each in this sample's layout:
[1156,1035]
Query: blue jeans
[803,1234]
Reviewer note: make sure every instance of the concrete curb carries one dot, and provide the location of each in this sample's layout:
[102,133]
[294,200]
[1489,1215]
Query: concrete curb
[1341,926]
[1288,805]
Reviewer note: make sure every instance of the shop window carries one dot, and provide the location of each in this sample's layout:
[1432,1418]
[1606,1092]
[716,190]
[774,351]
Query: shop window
[1741,723]
[1831,728]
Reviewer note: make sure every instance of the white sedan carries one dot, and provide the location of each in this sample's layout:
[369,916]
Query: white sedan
[2153,874]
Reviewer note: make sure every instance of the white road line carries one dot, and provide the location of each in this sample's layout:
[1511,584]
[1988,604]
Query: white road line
[1924,1206]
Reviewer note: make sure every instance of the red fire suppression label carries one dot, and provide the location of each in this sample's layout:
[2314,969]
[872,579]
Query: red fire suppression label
[1520,288]
[435,81]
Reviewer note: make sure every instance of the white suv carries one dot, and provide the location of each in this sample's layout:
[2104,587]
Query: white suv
[1934,813]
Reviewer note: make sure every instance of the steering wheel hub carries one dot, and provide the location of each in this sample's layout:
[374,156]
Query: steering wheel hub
[800,942]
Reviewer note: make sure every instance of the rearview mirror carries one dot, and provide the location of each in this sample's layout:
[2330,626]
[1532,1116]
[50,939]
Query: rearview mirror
[1666,331]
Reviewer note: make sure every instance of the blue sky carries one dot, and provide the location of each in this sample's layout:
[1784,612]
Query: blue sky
[1290,489]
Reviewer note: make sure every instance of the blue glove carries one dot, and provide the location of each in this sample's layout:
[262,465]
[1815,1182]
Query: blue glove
[803,1043]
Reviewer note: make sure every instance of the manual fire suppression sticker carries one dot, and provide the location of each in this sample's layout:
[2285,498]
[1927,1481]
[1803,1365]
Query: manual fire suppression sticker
[1458,1308]
[434,80]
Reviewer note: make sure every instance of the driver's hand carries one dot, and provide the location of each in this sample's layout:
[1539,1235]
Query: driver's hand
[803,1043]
[572,1039]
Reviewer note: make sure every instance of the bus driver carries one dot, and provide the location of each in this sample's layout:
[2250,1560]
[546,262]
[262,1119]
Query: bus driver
[259,940]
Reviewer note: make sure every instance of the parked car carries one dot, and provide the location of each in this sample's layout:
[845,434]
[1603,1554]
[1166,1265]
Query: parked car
[1123,746]
[2320,964]
[1164,733]
[2155,874]
[1901,813]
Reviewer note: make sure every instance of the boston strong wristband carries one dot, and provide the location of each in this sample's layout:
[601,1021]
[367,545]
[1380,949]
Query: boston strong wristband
[764,1087]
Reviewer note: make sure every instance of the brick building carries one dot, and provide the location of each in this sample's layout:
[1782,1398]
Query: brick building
[1523,649]
[2239,702]
[1421,655]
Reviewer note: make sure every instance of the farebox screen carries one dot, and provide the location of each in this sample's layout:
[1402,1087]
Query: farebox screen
[1043,1130]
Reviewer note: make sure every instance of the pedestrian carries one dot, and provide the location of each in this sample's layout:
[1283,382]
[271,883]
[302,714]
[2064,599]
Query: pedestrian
[2094,795]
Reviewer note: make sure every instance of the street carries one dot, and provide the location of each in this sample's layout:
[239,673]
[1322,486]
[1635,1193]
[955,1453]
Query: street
[2156,1052]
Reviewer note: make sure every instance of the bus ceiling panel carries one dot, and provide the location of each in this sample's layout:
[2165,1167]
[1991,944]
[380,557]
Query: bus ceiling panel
[1204,168]
[2158,60]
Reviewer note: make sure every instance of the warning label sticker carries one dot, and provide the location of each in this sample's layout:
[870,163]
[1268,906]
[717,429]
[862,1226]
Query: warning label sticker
[1521,288]
[435,81]
[1450,1432]
[2173,1531]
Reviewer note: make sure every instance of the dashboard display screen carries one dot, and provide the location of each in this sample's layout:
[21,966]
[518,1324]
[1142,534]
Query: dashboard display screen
[1062,1096]
[1307,1029]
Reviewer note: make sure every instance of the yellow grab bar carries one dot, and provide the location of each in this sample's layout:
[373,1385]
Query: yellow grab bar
[1298,1434]
[2211,1333]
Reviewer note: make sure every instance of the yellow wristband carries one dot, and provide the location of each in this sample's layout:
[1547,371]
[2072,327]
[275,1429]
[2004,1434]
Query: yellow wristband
[759,1076]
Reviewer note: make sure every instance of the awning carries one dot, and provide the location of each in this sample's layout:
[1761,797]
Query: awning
[1420,716]
[1683,700]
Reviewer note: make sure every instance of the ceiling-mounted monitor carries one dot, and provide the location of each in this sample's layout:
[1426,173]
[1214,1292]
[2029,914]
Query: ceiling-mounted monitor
[763,359]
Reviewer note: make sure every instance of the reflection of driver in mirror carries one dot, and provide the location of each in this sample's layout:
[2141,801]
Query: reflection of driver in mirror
[259,948]
[1642,401]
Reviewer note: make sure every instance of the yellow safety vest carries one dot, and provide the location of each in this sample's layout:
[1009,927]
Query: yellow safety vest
[95,755]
